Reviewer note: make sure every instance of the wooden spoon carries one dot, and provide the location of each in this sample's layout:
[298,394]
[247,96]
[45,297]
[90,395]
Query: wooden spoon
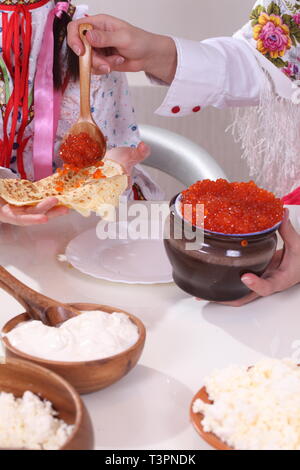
[38,306]
[85,121]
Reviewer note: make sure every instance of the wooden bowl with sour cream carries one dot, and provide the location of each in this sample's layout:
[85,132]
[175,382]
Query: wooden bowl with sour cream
[87,376]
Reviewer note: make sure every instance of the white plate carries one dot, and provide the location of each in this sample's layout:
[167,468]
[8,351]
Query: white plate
[126,261]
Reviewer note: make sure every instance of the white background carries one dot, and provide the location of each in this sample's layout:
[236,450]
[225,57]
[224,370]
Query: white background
[193,19]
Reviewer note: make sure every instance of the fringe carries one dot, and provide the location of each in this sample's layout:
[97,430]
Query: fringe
[269,135]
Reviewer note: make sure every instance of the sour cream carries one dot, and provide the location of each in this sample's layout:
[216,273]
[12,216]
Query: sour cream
[89,336]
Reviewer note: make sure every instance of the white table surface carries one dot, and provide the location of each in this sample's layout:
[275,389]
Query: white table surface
[186,339]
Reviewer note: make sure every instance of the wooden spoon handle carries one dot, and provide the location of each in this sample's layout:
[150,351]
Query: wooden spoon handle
[85,64]
[38,306]
[13,294]
[29,298]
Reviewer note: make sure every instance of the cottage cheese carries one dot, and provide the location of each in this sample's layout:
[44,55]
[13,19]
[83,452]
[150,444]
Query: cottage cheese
[30,423]
[89,336]
[254,409]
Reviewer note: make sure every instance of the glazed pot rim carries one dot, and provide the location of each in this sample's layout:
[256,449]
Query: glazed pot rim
[175,201]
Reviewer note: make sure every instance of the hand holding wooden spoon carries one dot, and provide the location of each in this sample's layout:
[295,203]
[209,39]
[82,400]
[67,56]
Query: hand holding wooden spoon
[85,127]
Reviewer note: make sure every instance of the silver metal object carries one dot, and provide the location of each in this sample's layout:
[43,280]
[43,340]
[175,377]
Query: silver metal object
[179,156]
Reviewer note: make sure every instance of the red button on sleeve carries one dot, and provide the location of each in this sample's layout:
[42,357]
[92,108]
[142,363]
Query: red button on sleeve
[196,109]
[176,110]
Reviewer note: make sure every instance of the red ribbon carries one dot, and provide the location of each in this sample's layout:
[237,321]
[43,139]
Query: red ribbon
[17,30]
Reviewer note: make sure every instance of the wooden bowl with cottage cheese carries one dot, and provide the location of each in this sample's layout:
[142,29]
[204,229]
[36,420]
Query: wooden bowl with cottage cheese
[197,418]
[85,376]
[17,377]
[250,408]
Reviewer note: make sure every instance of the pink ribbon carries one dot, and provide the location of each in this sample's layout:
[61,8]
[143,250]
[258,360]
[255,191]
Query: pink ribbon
[292,199]
[46,100]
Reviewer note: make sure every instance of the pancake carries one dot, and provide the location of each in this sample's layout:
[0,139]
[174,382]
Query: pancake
[77,190]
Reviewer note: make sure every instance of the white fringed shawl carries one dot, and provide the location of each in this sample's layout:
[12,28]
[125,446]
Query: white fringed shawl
[270,133]
[270,138]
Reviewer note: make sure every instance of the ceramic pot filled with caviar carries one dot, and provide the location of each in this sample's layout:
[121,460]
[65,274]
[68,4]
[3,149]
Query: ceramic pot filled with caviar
[218,231]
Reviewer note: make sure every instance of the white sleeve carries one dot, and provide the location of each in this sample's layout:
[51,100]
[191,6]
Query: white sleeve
[81,11]
[219,72]
[6,173]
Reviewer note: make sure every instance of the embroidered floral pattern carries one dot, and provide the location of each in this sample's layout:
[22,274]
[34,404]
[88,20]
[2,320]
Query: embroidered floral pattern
[19,2]
[292,71]
[272,36]
[296,18]
[276,33]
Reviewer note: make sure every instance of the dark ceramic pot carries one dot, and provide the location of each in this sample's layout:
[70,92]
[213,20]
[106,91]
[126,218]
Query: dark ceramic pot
[212,269]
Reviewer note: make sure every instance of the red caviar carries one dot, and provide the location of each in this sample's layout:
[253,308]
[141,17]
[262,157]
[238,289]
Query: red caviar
[59,187]
[80,151]
[98,174]
[233,208]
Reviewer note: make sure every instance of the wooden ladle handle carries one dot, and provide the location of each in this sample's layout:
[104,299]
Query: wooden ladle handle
[85,64]
[34,302]
[10,291]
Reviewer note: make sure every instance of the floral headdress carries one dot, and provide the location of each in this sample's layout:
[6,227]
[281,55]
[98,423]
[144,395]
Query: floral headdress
[270,133]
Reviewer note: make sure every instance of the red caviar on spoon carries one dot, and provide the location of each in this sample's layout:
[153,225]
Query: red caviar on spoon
[80,150]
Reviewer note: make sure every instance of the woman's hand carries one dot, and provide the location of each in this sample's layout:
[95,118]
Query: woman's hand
[128,157]
[31,215]
[122,47]
[283,271]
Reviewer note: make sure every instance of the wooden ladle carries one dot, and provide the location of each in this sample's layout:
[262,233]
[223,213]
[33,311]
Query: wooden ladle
[38,306]
[85,121]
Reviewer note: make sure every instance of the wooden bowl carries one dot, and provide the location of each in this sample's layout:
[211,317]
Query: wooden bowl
[197,418]
[17,376]
[87,376]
